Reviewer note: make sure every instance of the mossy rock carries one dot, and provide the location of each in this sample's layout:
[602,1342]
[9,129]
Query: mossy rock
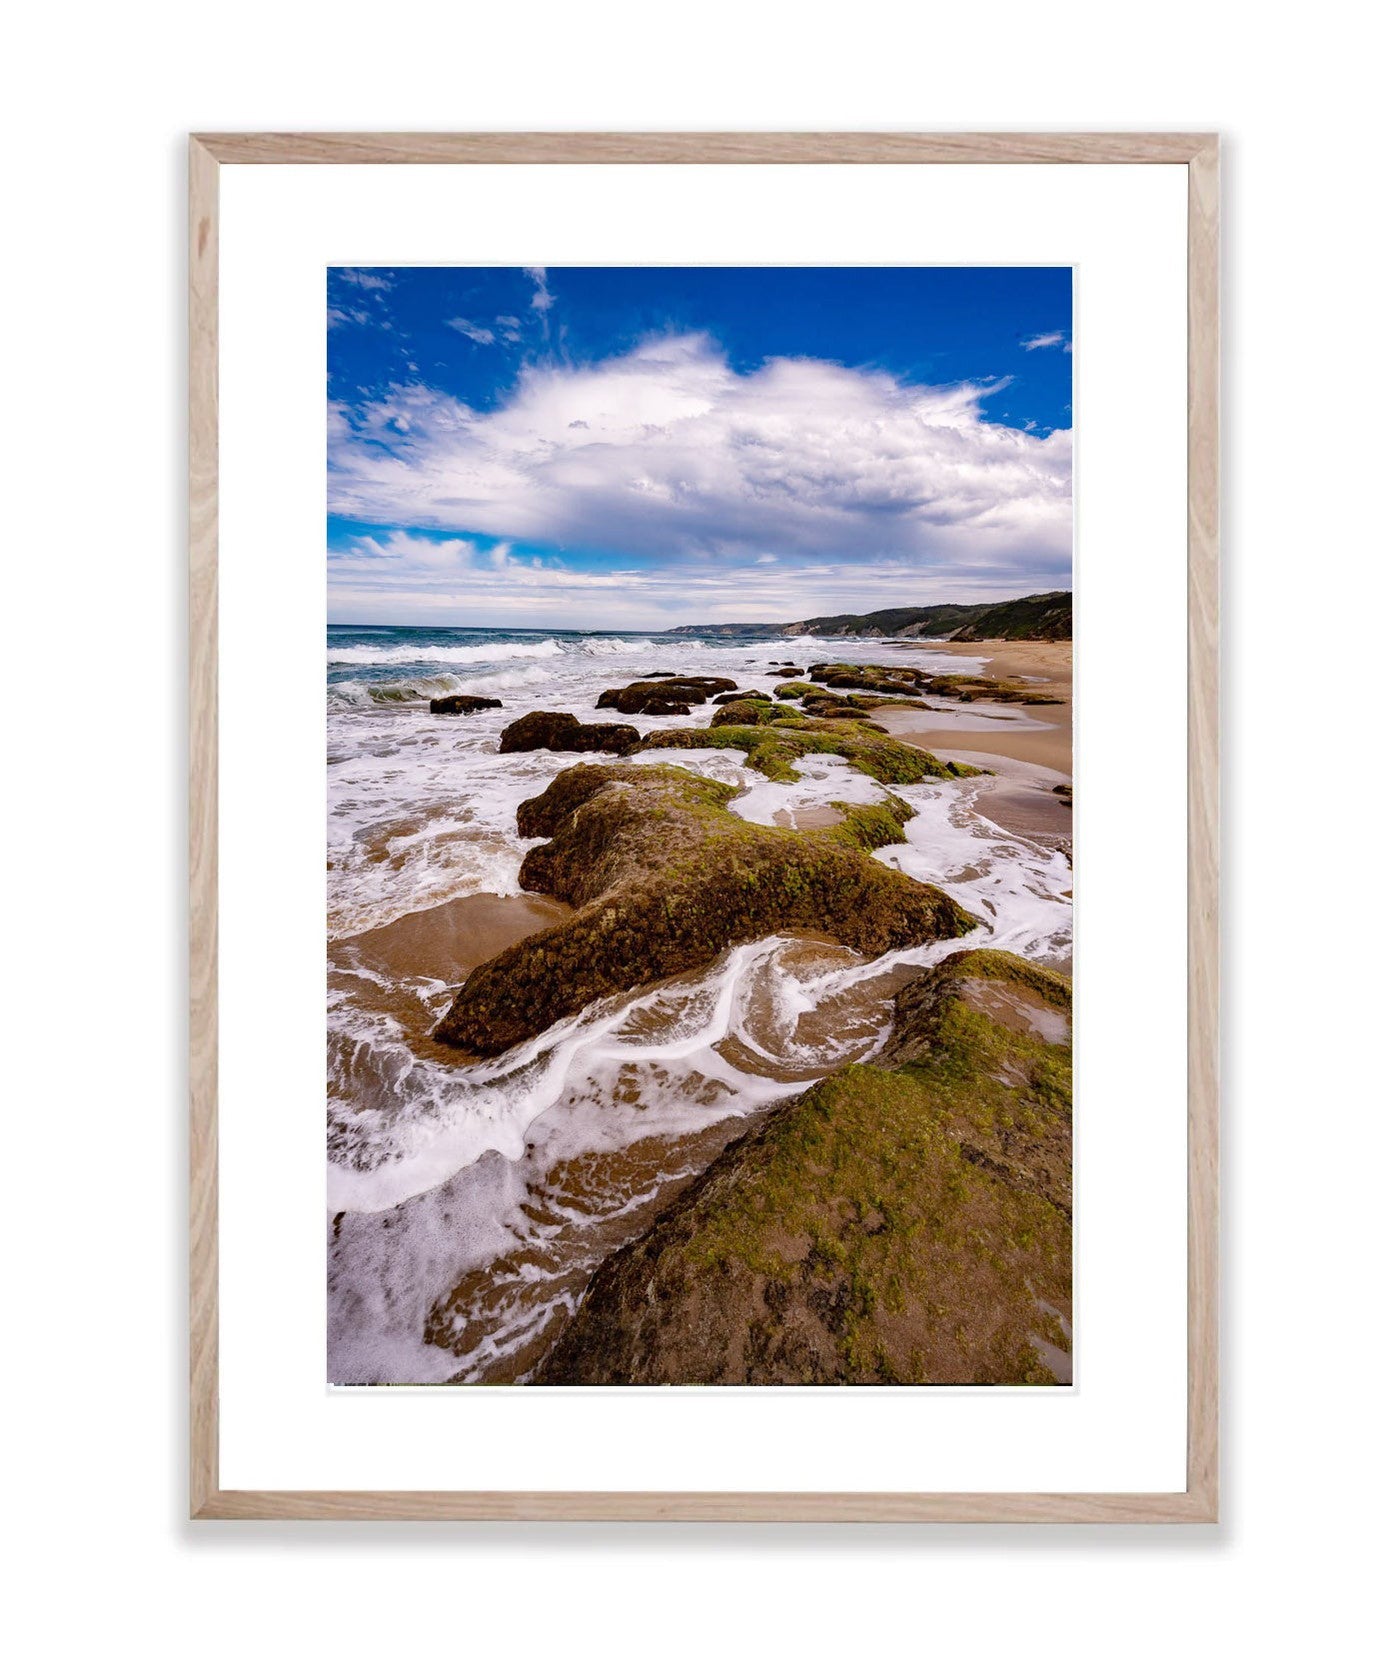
[560,731]
[752,708]
[671,697]
[821,702]
[902,1221]
[881,679]
[896,680]
[772,748]
[666,878]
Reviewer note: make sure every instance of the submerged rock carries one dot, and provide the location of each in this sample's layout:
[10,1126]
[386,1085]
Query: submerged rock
[666,878]
[670,698]
[906,1220]
[458,705]
[560,731]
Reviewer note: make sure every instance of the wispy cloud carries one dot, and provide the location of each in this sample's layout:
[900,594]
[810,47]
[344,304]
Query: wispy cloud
[469,329]
[1042,341]
[543,299]
[363,279]
[668,454]
[404,576]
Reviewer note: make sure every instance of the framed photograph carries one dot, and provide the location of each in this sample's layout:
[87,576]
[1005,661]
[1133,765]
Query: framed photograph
[704,826]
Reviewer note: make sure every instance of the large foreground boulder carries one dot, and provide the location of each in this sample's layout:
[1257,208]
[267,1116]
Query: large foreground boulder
[560,731]
[461,705]
[906,1220]
[666,878]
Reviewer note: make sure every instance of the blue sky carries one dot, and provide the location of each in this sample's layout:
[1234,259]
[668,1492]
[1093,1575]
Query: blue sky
[636,448]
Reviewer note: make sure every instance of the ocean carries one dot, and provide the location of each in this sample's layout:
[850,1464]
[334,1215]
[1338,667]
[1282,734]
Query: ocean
[468,1200]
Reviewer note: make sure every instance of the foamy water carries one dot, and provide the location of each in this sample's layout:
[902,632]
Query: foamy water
[522,1172]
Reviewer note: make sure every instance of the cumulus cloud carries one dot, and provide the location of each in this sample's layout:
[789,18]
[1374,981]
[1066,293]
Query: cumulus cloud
[667,453]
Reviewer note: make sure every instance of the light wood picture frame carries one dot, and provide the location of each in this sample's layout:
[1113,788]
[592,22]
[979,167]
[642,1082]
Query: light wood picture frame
[1199,153]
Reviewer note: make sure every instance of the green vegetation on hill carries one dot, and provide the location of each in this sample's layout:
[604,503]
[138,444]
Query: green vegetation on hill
[1036,618]
[1046,617]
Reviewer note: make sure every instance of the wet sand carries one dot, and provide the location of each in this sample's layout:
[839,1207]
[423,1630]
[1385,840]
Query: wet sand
[501,1318]
[409,968]
[1041,735]
[446,943]
[1047,663]
[809,818]
[1021,798]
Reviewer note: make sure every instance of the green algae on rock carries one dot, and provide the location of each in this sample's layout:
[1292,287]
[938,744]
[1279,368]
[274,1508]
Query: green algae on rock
[780,735]
[905,680]
[752,708]
[666,878]
[906,1220]
[821,702]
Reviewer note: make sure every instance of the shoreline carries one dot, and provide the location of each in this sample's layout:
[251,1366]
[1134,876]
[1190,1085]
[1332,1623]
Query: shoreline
[1045,739]
[476,1203]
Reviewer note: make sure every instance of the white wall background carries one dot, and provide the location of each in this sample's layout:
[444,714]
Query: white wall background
[96,103]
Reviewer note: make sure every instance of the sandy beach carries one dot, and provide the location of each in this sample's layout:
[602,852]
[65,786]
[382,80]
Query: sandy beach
[1038,735]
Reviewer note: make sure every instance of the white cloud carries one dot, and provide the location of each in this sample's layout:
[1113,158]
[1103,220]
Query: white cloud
[667,453]
[366,281]
[1047,341]
[477,334]
[543,300]
[408,578]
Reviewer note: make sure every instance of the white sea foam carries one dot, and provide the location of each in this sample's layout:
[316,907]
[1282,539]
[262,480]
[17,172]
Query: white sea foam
[409,653]
[436,1166]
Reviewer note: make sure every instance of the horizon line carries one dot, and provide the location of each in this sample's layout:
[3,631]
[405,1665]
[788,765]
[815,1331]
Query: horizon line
[674,629]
